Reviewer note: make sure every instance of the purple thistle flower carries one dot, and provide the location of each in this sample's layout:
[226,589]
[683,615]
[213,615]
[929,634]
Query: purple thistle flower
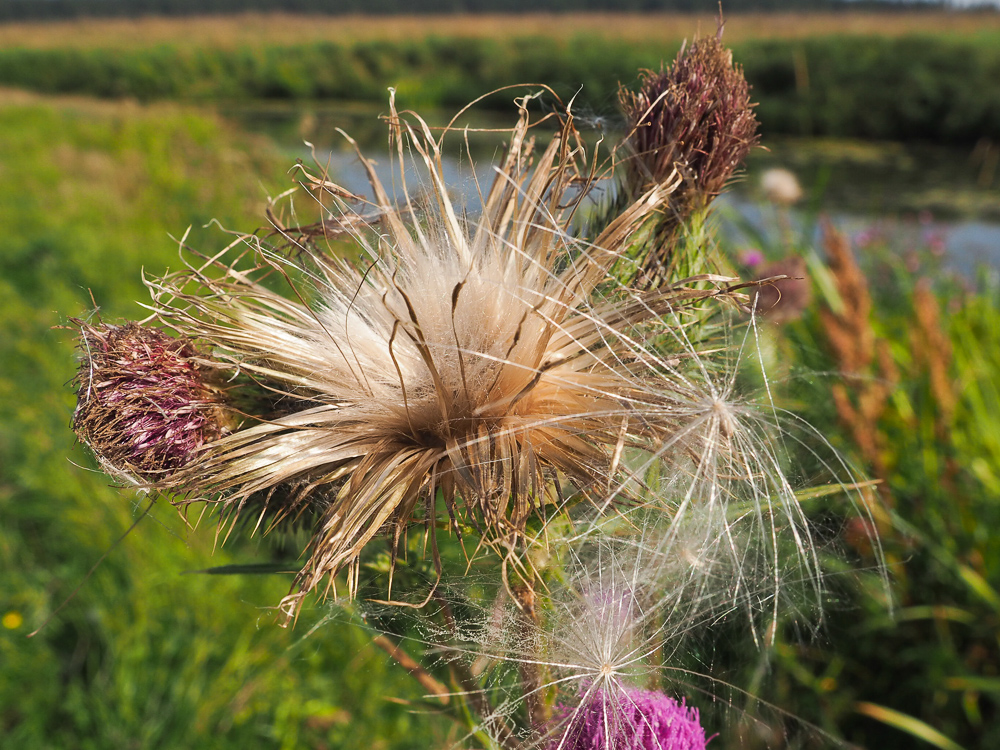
[630,719]
[751,257]
[144,406]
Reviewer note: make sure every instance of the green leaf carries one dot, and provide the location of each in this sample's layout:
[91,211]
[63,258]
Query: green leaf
[982,684]
[940,612]
[908,724]
[834,488]
[979,585]
[247,569]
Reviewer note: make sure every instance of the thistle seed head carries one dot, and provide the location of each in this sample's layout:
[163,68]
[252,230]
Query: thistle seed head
[486,362]
[144,405]
[781,187]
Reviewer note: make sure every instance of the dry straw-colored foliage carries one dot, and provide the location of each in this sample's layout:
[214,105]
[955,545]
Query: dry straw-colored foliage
[282,28]
[485,364]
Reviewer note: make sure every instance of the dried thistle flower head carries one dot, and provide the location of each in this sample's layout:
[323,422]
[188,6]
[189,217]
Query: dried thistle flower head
[781,187]
[482,363]
[690,126]
[694,118]
[630,719]
[144,405]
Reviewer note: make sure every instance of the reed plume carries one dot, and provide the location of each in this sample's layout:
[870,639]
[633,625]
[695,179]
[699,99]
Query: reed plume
[859,354]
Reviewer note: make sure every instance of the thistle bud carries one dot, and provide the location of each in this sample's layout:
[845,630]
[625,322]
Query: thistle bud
[144,405]
[690,127]
[630,719]
[695,117]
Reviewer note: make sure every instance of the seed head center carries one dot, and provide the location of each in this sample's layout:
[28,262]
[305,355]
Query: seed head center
[722,411]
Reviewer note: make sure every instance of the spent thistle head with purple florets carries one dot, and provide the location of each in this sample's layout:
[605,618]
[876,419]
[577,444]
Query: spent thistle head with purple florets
[695,118]
[630,719]
[690,127]
[144,405]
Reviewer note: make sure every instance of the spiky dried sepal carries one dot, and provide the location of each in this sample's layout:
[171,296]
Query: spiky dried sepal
[145,406]
[482,362]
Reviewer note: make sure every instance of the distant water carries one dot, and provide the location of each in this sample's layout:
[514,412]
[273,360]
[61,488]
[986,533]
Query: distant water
[925,198]
[962,245]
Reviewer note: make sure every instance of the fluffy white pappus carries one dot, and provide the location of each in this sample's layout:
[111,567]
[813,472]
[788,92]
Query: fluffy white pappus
[488,363]
[727,489]
[639,604]
[616,615]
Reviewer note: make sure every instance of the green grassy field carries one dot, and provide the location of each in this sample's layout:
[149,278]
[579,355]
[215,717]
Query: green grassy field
[146,655]
[907,77]
[284,29]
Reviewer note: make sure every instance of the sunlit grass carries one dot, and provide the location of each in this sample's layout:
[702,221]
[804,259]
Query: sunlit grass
[278,28]
[145,655]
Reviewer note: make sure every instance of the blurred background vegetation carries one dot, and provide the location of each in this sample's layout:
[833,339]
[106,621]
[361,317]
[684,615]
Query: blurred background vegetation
[117,135]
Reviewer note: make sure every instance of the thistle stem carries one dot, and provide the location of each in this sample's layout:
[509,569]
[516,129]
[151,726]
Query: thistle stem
[531,674]
[434,686]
